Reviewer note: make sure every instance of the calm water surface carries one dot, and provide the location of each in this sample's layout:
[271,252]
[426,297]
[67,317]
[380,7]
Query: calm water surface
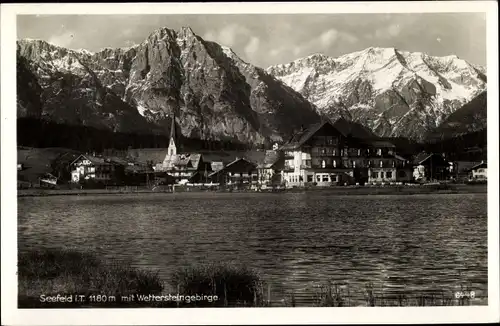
[296,240]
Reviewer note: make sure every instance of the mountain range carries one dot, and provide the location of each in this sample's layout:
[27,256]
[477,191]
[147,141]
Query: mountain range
[215,95]
[210,91]
[394,93]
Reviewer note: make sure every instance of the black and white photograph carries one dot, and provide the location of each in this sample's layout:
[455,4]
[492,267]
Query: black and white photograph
[178,157]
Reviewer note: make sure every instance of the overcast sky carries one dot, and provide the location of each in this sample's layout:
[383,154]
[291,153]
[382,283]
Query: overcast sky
[276,38]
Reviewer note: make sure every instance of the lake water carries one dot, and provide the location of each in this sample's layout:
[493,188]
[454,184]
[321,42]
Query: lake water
[295,240]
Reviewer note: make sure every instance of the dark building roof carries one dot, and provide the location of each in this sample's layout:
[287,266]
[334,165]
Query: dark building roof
[346,128]
[465,166]
[222,156]
[138,169]
[399,157]
[144,155]
[381,143]
[116,160]
[425,158]
[187,160]
[353,129]
[93,159]
[299,138]
[49,176]
[255,156]
[482,165]
[240,165]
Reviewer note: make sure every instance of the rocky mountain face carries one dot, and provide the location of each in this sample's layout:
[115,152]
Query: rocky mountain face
[471,117]
[395,93]
[212,93]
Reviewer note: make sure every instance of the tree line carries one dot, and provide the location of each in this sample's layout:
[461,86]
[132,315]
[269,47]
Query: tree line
[32,132]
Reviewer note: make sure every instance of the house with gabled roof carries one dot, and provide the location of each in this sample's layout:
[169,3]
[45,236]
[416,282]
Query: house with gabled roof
[98,169]
[47,180]
[480,171]
[339,153]
[239,172]
[270,168]
[430,167]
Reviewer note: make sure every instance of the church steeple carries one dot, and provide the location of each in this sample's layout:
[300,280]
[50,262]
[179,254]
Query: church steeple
[172,148]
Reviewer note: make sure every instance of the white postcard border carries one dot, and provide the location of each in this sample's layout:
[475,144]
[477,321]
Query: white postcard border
[11,315]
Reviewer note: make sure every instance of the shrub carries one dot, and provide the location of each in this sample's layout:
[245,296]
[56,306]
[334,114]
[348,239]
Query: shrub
[233,285]
[53,271]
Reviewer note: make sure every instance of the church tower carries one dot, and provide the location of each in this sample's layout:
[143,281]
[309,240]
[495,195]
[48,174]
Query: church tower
[169,160]
[172,148]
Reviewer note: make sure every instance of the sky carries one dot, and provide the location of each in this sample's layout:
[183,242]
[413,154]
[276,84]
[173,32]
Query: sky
[269,39]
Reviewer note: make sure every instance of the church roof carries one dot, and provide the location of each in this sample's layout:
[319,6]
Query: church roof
[172,128]
[185,160]
[144,155]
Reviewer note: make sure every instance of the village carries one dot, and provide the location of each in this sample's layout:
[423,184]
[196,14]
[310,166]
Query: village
[323,155]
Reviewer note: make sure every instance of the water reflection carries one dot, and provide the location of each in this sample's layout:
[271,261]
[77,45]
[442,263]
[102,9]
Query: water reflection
[295,240]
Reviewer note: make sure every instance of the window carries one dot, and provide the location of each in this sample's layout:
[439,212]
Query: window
[393,163]
[334,163]
[353,164]
[359,152]
[388,175]
[310,178]
[381,175]
[318,178]
[381,163]
[325,178]
[323,164]
[334,152]
[323,151]
[375,175]
[379,151]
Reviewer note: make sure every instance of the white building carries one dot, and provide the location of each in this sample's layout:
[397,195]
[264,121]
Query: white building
[480,171]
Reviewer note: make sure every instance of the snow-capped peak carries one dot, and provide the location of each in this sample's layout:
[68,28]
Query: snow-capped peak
[84,51]
[388,80]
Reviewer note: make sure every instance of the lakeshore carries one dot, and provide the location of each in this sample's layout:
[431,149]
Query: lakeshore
[334,190]
[51,278]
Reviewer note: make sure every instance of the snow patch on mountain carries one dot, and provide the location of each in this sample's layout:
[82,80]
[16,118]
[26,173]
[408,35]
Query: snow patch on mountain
[399,86]
[142,109]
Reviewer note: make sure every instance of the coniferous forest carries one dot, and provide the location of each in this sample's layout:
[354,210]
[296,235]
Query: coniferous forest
[34,132]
